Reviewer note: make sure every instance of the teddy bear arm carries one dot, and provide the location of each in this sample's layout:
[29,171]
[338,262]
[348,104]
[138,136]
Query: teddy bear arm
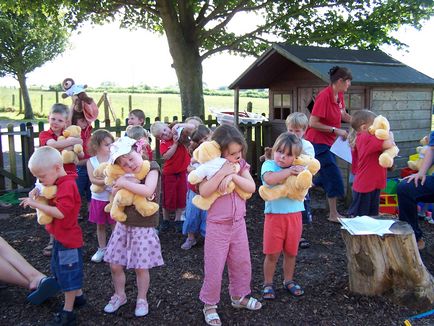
[78,148]
[243,194]
[382,134]
[205,203]
[42,217]
[144,206]
[146,167]
[117,213]
[272,193]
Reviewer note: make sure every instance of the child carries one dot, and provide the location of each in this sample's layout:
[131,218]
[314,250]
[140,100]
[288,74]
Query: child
[66,261]
[283,222]
[297,123]
[57,120]
[370,177]
[226,235]
[195,218]
[136,237]
[140,133]
[100,146]
[136,117]
[176,161]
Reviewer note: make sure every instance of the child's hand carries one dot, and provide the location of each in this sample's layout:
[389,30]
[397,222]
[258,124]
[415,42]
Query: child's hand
[27,201]
[34,193]
[124,180]
[227,168]
[224,184]
[296,169]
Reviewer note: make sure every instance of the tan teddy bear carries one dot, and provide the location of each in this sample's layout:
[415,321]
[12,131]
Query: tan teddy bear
[208,154]
[421,150]
[46,193]
[70,154]
[99,173]
[293,187]
[125,197]
[381,128]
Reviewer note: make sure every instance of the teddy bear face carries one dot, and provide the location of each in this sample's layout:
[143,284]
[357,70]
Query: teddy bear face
[67,83]
[72,131]
[207,151]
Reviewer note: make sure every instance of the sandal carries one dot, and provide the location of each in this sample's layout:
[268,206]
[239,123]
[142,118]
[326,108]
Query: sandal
[303,243]
[293,288]
[47,288]
[268,292]
[211,316]
[251,304]
[47,250]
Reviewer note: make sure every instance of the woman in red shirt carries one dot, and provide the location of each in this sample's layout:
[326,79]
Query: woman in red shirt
[324,125]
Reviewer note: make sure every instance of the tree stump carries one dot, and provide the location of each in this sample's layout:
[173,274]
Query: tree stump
[389,265]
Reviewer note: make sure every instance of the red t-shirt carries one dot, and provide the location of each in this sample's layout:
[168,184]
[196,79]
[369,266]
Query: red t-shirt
[354,159]
[329,113]
[85,136]
[178,162]
[45,136]
[67,200]
[370,175]
[149,151]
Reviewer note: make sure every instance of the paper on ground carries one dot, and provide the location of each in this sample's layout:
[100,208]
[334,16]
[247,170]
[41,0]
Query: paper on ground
[363,225]
[342,149]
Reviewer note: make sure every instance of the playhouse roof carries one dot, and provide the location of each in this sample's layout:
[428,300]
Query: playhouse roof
[367,67]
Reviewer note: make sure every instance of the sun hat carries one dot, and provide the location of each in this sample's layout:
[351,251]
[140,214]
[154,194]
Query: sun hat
[120,147]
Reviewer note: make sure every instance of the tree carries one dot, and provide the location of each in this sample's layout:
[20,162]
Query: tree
[27,41]
[196,30]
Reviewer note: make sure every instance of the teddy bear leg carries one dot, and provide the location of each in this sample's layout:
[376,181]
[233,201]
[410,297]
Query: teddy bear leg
[124,197]
[205,203]
[304,180]
[268,194]
[144,206]
[117,213]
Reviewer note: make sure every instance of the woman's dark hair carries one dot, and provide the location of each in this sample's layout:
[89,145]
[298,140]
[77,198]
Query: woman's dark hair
[289,143]
[337,73]
[226,134]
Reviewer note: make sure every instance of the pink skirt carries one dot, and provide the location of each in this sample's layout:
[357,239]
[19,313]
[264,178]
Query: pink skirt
[97,214]
[134,247]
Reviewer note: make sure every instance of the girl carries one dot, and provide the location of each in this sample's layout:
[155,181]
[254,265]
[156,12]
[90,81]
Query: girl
[370,177]
[99,146]
[195,218]
[226,235]
[141,134]
[133,243]
[283,223]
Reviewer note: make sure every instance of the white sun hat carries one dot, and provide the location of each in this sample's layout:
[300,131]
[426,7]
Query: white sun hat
[121,147]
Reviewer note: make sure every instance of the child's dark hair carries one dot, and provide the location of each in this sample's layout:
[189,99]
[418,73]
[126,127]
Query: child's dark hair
[226,134]
[97,138]
[139,114]
[358,119]
[76,116]
[60,109]
[198,136]
[337,73]
[289,143]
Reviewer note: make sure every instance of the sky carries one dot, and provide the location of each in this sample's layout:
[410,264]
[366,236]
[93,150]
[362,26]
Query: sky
[130,58]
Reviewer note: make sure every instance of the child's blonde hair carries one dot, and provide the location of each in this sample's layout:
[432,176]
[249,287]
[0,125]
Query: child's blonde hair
[157,127]
[136,132]
[60,109]
[44,157]
[297,120]
[358,119]
[195,119]
[97,138]
[289,143]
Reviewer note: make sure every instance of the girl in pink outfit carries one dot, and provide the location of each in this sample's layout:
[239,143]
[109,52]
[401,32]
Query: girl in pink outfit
[226,240]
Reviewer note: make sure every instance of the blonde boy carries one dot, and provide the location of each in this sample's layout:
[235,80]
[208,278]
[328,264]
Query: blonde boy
[66,263]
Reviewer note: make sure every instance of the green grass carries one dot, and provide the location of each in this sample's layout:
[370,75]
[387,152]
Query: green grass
[170,103]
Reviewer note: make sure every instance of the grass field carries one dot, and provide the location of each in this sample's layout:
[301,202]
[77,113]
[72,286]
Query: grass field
[171,103]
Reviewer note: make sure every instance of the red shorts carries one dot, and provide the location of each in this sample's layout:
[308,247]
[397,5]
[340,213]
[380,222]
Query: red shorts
[282,232]
[174,190]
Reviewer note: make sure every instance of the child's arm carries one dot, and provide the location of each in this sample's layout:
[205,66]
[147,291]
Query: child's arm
[145,190]
[61,144]
[244,181]
[92,178]
[207,187]
[273,178]
[169,153]
[47,209]
[188,127]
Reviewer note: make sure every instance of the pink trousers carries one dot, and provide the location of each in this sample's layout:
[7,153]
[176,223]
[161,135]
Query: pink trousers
[226,243]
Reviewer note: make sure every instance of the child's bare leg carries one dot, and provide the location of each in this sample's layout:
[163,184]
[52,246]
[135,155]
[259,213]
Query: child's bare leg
[118,277]
[178,214]
[143,280]
[101,235]
[270,263]
[288,266]
[69,299]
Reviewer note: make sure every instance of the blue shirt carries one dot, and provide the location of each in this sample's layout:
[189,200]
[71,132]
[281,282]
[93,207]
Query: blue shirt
[282,205]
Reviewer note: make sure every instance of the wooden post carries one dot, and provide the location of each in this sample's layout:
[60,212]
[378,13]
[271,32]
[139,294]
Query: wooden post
[159,108]
[57,96]
[389,265]
[130,103]
[12,156]
[106,108]
[122,112]
[42,102]
[236,105]
[13,100]
[249,106]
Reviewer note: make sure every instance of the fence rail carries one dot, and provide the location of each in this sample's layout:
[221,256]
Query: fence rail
[17,144]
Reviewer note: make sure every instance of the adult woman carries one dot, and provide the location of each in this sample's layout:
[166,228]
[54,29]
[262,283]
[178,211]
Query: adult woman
[14,269]
[324,125]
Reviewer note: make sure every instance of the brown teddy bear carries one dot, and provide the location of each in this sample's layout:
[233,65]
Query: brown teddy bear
[208,154]
[46,193]
[294,187]
[381,128]
[70,154]
[71,88]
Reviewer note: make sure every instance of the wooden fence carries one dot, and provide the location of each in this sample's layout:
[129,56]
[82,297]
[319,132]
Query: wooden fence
[17,144]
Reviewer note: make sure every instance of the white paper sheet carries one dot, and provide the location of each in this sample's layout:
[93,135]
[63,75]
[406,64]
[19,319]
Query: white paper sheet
[362,225]
[342,149]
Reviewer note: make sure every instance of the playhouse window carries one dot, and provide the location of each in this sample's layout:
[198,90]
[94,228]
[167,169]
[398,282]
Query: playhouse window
[281,105]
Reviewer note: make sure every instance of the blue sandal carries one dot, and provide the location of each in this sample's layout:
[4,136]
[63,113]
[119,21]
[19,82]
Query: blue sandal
[47,288]
[293,288]
[268,292]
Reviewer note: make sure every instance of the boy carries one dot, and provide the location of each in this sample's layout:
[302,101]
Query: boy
[297,123]
[66,262]
[174,175]
[57,119]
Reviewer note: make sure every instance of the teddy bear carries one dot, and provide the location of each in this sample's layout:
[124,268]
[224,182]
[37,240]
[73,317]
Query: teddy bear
[421,150]
[71,88]
[70,154]
[380,128]
[99,173]
[46,193]
[295,186]
[125,197]
[208,154]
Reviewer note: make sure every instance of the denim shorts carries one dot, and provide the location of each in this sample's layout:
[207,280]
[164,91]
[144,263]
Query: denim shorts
[83,182]
[67,267]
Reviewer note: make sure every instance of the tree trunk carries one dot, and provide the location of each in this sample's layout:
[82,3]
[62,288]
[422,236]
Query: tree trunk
[184,49]
[389,265]
[28,111]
